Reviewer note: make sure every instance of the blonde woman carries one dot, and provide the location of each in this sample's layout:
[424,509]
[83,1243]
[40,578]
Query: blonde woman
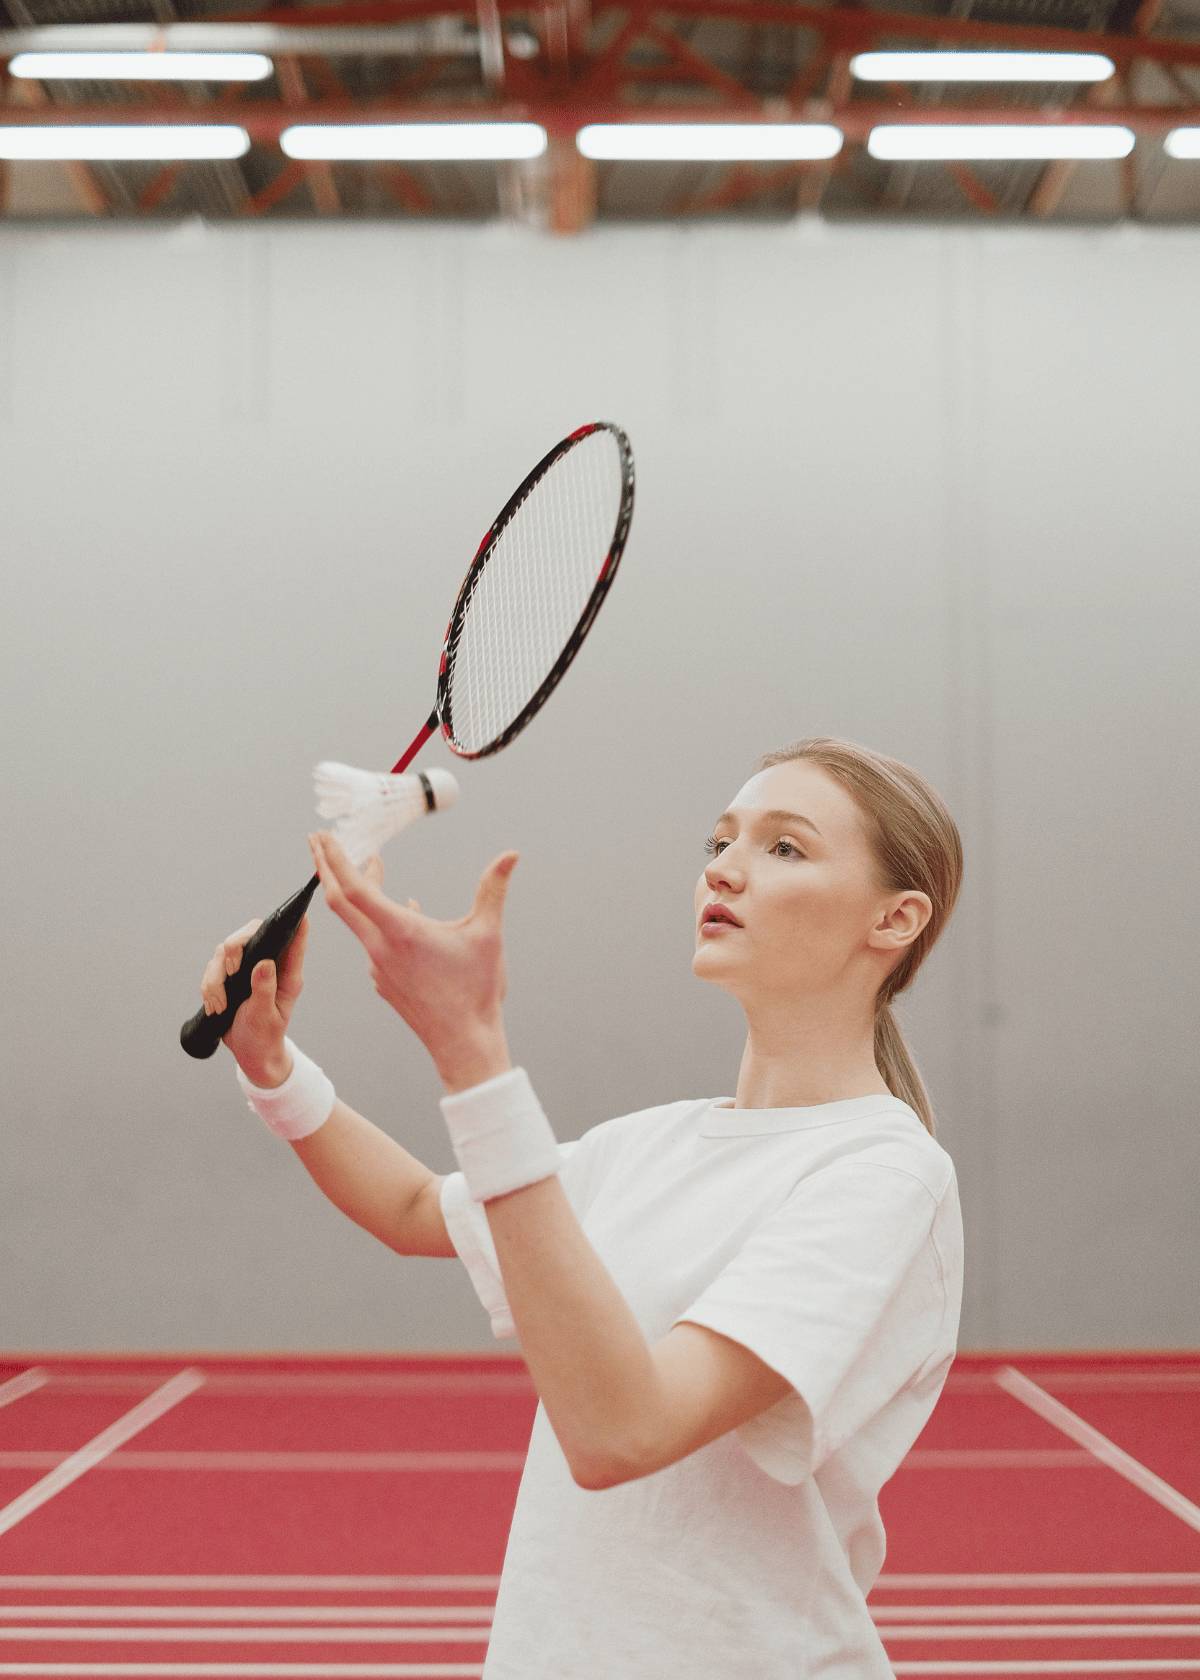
[738,1312]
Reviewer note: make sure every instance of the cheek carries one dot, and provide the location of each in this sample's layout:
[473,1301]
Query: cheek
[801,906]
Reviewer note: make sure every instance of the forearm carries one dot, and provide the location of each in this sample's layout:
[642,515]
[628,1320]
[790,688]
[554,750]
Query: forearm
[364,1172]
[590,1363]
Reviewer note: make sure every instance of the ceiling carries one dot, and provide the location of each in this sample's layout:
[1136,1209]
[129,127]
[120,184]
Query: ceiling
[565,62]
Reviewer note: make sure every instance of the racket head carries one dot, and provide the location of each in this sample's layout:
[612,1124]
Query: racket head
[556,544]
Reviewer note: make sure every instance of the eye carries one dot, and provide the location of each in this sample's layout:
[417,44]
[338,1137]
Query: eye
[713,846]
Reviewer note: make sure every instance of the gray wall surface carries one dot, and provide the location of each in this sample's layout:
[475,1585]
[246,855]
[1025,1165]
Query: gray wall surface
[930,489]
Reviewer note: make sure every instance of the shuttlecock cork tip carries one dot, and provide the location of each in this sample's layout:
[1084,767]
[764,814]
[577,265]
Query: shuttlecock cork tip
[445,788]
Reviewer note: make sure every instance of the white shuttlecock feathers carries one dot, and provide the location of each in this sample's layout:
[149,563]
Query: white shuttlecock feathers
[368,807]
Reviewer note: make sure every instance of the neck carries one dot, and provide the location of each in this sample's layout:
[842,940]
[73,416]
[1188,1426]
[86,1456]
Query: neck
[793,1061]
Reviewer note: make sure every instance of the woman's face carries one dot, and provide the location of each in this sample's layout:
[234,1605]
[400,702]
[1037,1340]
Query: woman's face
[805,899]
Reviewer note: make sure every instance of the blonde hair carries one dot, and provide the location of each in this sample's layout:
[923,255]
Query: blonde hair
[915,844]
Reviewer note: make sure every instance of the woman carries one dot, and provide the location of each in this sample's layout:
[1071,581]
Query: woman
[739,1312]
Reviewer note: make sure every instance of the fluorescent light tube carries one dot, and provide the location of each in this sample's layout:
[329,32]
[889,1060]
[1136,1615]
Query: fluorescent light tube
[415,141]
[981,67]
[141,140]
[703,142]
[906,141]
[1183,143]
[142,67]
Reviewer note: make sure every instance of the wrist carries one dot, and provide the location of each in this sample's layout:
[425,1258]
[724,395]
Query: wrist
[296,1106]
[501,1137]
[269,1075]
[469,1061]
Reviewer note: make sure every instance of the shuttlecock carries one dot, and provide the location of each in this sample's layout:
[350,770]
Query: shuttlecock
[369,806]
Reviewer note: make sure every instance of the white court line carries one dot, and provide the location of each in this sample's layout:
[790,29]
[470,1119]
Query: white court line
[467,1671]
[1131,1665]
[253,1636]
[260,1671]
[994,1632]
[1121,1578]
[1014,1382]
[1167,1381]
[290,1461]
[935,1612]
[1004,1630]
[997,1459]
[79,1463]
[903,1582]
[330,1613]
[249,1583]
[26,1382]
[316,1382]
[958,1458]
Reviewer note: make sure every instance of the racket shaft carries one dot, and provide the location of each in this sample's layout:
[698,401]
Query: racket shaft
[201,1035]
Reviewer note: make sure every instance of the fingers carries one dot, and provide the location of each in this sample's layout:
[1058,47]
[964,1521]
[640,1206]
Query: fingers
[493,888]
[225,960]
[366,911]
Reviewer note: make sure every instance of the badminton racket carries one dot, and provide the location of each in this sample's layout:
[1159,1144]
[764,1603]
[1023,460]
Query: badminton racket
[530,596]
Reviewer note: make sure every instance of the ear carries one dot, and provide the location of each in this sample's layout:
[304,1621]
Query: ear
[906,918]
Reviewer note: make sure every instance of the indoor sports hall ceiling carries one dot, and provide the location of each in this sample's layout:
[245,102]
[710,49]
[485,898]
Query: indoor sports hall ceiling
[567,63]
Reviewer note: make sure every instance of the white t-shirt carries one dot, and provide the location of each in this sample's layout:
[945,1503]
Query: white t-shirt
[829,1241]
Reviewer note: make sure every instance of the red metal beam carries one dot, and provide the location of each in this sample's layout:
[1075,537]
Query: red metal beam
[265,120]
[318,174]
[699,69]
[406,189]
[975,191]
[159,189]
[850,28]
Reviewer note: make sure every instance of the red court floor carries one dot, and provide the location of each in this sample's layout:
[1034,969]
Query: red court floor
[334,1515]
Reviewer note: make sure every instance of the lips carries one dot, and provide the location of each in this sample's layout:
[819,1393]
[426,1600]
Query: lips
[719,913]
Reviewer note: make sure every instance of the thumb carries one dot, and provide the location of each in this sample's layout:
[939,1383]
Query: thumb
[262,980]
[493,884]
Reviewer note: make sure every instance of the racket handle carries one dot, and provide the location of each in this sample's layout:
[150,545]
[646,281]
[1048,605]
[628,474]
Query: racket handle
[201,1035]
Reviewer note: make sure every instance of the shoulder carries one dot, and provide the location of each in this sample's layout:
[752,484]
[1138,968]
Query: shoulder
[901,1148]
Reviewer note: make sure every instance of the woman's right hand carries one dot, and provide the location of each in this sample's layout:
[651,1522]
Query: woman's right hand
[256,1036]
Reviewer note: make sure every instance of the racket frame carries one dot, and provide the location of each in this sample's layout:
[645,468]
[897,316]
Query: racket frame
[444,713]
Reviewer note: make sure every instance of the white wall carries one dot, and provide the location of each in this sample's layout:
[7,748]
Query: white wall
[939,488]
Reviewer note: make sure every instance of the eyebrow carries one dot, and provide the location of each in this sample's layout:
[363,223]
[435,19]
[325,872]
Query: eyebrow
[773,816]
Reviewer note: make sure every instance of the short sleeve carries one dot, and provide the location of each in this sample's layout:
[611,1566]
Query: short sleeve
[840,1291]
[469,1231]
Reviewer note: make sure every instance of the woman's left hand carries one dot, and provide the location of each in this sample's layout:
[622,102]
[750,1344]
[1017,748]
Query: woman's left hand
[447,979]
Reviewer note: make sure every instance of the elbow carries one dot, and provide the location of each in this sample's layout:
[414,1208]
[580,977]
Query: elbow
[605,1471]
[595,1476]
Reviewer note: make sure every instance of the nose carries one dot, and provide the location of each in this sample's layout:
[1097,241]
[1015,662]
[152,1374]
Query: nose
[722,873]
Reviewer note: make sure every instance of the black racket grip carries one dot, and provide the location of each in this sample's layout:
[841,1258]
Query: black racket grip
[201,1035]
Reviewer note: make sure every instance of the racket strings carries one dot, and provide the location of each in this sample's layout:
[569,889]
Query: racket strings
[533,590]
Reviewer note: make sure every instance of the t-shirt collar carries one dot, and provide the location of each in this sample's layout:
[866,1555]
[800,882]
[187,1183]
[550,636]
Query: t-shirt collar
[716,1121]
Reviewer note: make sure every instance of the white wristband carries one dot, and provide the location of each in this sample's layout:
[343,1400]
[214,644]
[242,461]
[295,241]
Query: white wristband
[501,1136]
[297,1107]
